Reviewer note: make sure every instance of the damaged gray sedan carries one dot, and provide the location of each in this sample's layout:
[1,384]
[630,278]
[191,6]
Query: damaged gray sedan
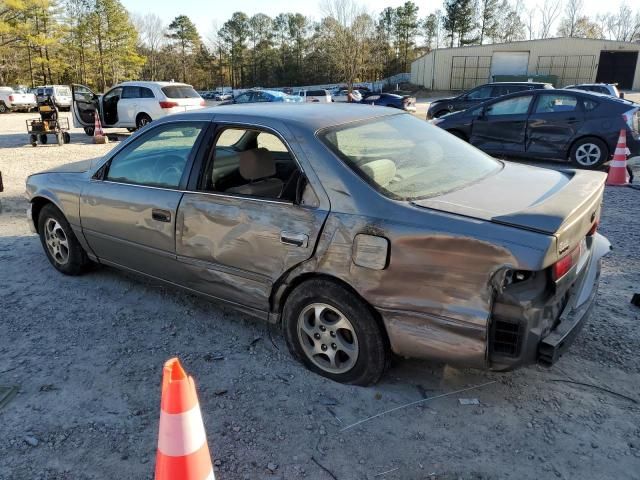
[360,231]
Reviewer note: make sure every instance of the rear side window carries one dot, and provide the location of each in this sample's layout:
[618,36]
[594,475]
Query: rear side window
[157,159]
[180,91]
[589,104]
[146,93]
[554,103]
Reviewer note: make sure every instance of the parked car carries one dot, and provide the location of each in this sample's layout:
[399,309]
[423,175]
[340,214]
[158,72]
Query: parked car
[132,105]
[221,97]
[61,95]
[342,96]
[261,96]
[315,96]
[559,124]
[361,231]
[12,100]
[610,89]
[482,93]
[403,102]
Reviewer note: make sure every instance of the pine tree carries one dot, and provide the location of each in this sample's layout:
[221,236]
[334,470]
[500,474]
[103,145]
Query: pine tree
[185,34]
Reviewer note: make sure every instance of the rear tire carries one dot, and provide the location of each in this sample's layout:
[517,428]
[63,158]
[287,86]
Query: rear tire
[60,243]
[3,108]
[589,152]
[142,120]
[321,316]
[66,137]
[34,140]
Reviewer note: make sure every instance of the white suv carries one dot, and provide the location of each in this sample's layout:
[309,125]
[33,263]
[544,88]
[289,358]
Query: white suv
[132,105]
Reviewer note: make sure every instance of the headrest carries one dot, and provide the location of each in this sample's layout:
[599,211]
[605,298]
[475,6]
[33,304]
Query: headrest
[256,164]
[380,171]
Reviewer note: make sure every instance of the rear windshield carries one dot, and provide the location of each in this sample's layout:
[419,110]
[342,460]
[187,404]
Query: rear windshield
[63,91]
[180,91]
[406,158]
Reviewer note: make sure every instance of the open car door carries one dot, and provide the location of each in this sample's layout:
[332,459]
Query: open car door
[84,107]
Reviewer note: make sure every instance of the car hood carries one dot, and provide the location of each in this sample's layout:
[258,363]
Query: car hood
[442,100]
[562,203]
[75,167]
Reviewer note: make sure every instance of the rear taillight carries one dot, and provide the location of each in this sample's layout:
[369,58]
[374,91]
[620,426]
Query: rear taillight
[562,266]
[11,98]
[203,103]
[168,104]
[631,119]
[593,229]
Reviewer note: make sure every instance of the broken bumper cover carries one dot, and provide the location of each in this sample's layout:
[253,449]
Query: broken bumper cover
[577,311]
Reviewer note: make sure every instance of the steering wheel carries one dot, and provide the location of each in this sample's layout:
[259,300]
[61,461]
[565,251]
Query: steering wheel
[171,175]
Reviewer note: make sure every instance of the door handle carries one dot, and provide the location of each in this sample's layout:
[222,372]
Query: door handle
[295,239]
[161,215]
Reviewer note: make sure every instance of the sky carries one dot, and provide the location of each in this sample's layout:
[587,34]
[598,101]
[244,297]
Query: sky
[207,13]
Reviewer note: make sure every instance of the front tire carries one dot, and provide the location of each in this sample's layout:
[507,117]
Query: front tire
[334,333]
[60,243]
[3,108]
[589,152]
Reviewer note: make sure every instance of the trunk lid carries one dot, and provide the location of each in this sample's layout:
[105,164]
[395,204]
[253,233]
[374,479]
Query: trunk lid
[565,204]
[23,99]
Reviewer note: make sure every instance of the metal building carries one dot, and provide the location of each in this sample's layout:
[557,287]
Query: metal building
[570,60]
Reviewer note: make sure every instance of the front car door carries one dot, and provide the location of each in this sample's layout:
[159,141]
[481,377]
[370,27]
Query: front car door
[501,127]
[84,105]
[128,210]
[128,106]
[250,216]
[554,121]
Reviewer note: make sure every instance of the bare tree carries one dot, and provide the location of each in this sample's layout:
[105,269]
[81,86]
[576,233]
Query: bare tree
[351,30]
[529,19]
[549,12]
[572,12]
[623,26]
[152,32]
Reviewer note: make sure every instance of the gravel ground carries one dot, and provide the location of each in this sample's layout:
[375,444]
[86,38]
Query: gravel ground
[87,353]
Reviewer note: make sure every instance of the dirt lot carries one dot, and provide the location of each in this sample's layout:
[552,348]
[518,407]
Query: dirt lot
[87,353]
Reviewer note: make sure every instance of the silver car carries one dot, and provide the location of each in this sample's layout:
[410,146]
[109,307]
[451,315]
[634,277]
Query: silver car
[360,231]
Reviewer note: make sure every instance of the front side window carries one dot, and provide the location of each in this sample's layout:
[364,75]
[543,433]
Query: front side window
[480,93]
[157,159]
[252,162]
[130,92]
[244,98]
[555,103]
[406,158]
[511,106]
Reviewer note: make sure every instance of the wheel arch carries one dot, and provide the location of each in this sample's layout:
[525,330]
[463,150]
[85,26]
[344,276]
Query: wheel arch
[37,204]
[582,137]
[458,133]
[282,291]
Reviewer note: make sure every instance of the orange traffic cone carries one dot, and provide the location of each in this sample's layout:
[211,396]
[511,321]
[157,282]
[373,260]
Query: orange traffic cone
[183,453]
[618,174]
[98,133]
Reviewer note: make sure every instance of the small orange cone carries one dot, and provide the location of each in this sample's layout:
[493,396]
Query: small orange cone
[183,453]
[618,174]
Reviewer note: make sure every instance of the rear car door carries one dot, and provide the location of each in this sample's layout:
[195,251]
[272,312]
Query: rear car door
[128,210]
[128,106]
[84,105]
[501,128]
[554,121]
[250,216]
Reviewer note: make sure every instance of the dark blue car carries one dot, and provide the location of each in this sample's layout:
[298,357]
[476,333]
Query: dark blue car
[259,96]
[403,102]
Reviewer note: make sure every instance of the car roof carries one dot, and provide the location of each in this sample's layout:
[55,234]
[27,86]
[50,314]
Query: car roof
[309,116]
[144,83]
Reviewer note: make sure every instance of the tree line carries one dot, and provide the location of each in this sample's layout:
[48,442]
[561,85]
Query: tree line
[99,43]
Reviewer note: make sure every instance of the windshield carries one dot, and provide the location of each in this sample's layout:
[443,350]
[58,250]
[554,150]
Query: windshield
[180,91]
[406,158]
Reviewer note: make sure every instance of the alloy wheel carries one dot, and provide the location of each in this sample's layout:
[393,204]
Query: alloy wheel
[588,154]
[328,338]
[56,240]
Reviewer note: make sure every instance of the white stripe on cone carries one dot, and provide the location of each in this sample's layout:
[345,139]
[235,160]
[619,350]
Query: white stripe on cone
[211,476]
[181,433]
[618,163]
